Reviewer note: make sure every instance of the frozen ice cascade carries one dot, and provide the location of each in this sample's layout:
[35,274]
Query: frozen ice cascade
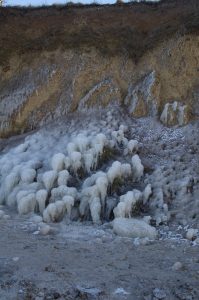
[85,171]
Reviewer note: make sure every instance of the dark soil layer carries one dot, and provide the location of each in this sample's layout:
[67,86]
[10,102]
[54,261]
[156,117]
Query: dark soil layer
[130,29]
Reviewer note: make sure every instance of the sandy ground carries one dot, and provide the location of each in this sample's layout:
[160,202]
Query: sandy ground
[87,262]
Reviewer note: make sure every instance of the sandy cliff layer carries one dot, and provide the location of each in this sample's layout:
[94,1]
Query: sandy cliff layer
[56,60]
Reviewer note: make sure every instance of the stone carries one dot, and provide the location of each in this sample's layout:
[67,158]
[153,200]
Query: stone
[133,228]
[191,234]
[15,259]
[89,293]
[45,229]
[159,294]
[177,266]
[121,291]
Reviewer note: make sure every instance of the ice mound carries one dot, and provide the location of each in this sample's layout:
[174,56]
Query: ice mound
[55,173]
[100,170]
[133,228]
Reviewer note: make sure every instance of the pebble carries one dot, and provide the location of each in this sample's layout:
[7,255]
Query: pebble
[40,296]
[36,232]
[121,291]
[88,293]
[15,259]
[159,294]
[45,229]
[141,241]
[177,266]
[196,242]
[191,234]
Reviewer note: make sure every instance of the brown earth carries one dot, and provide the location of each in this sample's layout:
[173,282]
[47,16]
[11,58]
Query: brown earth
[111,29]
[54,60]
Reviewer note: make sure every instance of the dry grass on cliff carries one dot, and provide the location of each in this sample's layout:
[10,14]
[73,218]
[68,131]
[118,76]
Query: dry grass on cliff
[112,29]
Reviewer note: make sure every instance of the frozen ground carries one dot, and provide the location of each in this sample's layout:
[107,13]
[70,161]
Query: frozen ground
[89,262]
[77,259]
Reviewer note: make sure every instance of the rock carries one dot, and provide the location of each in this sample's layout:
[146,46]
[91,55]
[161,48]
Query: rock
[191,234]
[121,291]
[41,294]
[36,232]
[88,293]
[15,259]
[141,241]
[177,266]
[159,294]
[45,229]
[51,295]
[133,228]
[196,241]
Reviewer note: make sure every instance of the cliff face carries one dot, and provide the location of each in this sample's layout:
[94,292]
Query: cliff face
[57,60]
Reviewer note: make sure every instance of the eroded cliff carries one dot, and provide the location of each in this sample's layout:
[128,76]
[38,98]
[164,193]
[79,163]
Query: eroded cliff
[57,60]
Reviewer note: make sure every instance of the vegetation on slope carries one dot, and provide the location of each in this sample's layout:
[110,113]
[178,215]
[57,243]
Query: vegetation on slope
[131,28]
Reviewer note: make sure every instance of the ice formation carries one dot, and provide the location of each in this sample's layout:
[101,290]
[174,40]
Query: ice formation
[138,169]
[41,197]
[175,114]
[28,175]
[147,193]
[49,178]
[114,172]
[95,172]
[63,177]
[127,204]
[26,204]
[95,208]
[69,202]
[58,162]
[132,146]
[68,174]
